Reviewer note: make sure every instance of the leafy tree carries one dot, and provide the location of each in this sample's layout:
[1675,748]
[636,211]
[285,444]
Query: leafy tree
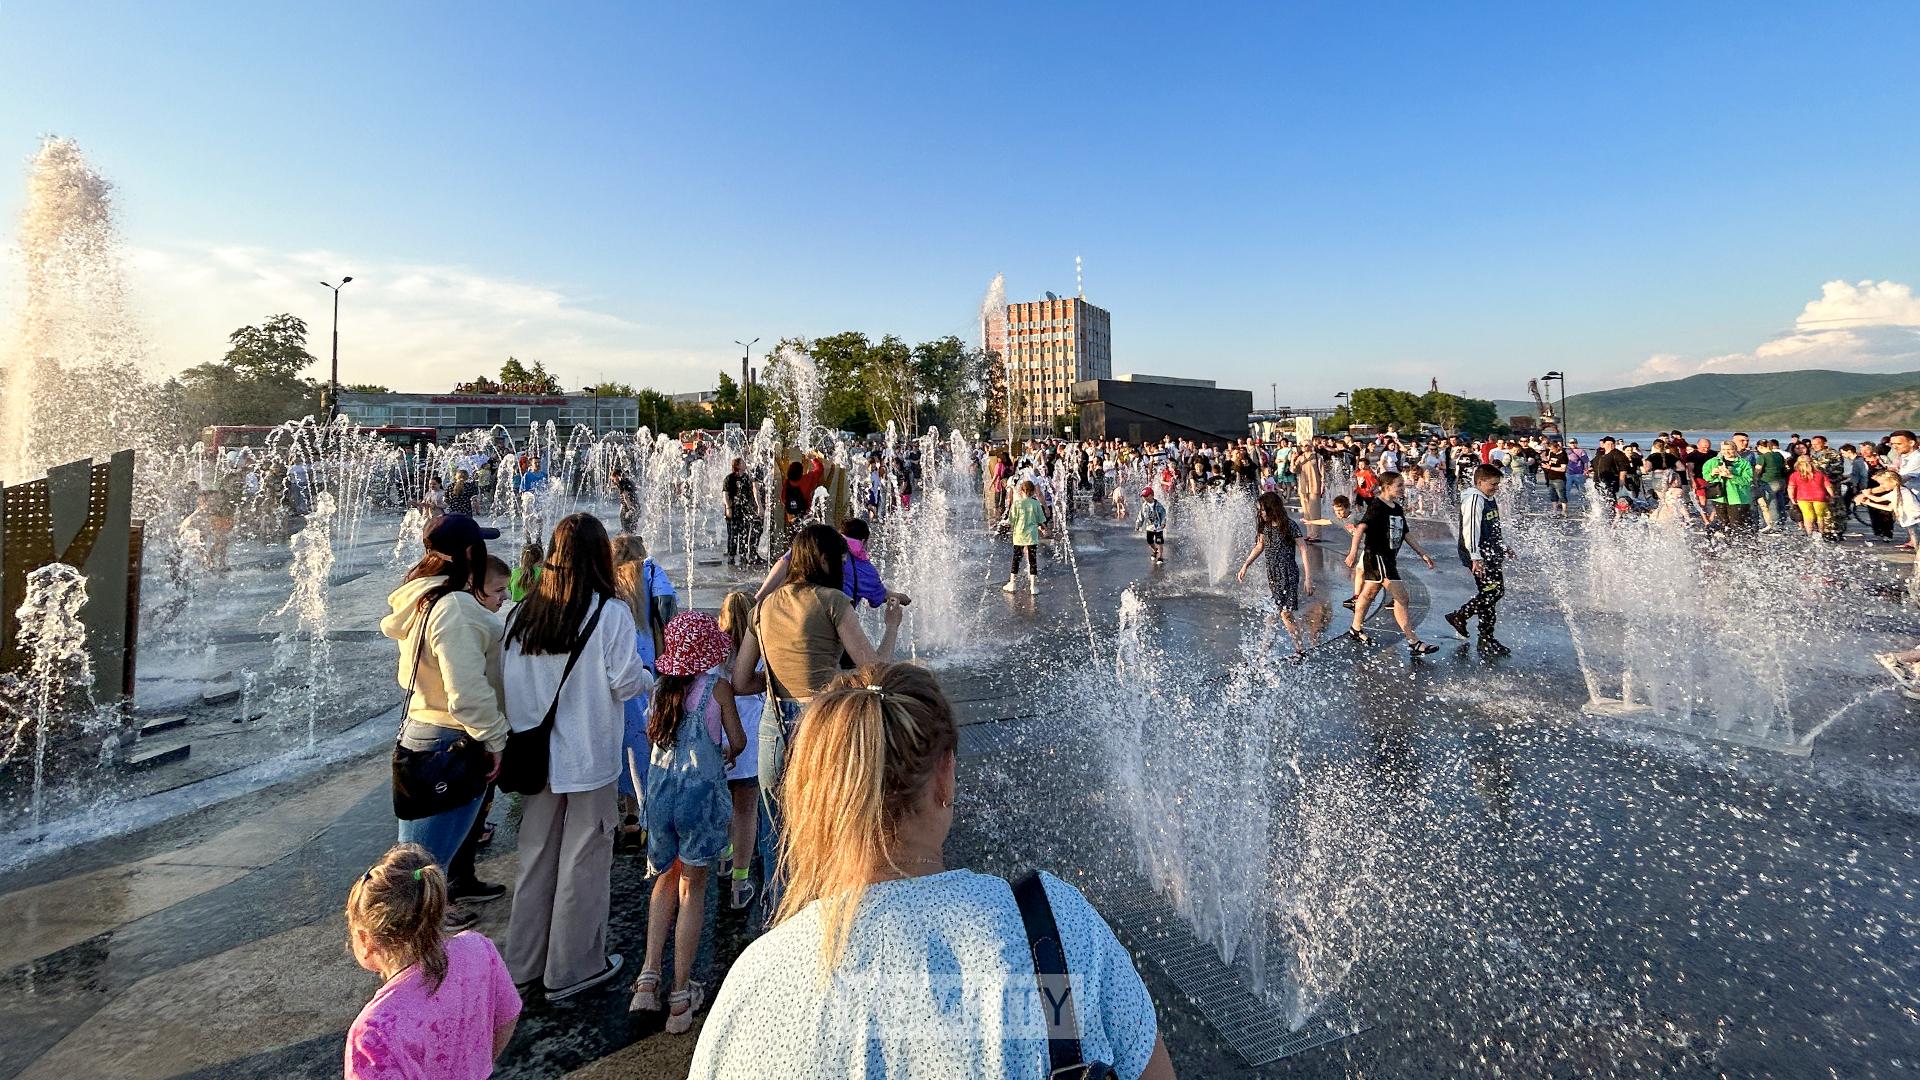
[255,383]
[276,349]
[1066,422]
[364,388]
[515,378]
[612,389]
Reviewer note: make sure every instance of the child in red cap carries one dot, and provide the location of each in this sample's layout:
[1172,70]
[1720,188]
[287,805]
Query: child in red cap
[695,732]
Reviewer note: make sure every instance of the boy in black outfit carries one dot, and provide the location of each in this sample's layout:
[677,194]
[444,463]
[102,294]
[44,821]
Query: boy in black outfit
[1484,551]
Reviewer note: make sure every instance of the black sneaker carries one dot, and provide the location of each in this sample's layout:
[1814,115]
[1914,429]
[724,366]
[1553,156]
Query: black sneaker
[1490,647]
[1422,648]
[1349,602]
[475,891]
[458,919]
[1459,624]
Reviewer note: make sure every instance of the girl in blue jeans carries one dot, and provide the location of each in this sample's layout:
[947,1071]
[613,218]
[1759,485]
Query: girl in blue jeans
[695,734]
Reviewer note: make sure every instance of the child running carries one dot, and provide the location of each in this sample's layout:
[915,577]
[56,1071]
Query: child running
[1484,551]
[1383,529]
[446,1006]
[1286,553]
[695,731]
[1024,519]
[1153,518]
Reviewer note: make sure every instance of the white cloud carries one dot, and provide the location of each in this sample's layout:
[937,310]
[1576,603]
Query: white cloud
[1864,326]
[410,326]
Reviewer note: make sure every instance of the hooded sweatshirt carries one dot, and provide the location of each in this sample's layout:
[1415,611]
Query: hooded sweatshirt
[457,684]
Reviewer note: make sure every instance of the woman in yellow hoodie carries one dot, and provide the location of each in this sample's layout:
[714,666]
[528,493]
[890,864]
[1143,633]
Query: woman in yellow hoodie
[450,657]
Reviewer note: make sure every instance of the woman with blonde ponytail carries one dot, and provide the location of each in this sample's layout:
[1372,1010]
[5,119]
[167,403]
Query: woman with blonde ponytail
[881,961]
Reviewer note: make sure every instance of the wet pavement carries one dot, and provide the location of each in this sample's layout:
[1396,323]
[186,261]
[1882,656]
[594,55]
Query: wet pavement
[1491,881]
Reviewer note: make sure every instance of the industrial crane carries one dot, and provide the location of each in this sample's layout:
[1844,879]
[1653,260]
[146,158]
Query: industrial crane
[1549,423]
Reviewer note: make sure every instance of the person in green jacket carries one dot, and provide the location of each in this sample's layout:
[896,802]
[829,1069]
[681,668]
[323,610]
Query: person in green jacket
[524,575]
[1733,503]
[1770,484]
[1024,519]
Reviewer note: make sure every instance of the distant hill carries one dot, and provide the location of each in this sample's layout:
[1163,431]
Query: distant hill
[1831,400]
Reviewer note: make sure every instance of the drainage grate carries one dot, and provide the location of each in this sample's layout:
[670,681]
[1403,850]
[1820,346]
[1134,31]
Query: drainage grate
[1245,1021]
[994,736]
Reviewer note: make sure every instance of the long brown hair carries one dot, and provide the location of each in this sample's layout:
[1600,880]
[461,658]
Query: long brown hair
[400,903]
[663,712]
[1272,511]
[629,575]
[577,575]
[465,571]
[866,750]
[818,557]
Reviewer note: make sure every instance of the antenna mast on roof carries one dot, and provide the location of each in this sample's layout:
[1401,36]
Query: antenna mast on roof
[1079,284]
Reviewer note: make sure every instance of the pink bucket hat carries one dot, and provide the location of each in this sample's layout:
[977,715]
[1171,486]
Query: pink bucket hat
[694,643]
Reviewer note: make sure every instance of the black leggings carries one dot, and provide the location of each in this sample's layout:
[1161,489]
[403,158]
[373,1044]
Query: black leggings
[1033,560]
[1492,585]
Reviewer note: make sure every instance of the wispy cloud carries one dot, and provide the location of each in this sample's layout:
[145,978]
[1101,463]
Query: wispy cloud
[1861,326]
[411,326]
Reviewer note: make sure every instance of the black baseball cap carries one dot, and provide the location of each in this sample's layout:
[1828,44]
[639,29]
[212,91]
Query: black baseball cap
[454,533]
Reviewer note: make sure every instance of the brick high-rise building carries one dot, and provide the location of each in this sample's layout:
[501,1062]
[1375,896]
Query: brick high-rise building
[1050,345]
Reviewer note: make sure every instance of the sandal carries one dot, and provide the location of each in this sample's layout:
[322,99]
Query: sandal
[646,993]
[684,1003]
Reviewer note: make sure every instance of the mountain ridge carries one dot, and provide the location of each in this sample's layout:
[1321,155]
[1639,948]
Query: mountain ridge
[1814,398]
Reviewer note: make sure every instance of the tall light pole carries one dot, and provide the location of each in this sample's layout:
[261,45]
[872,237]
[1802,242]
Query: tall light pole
[595,391]
[333,380]
[746,385]
[1344,400]
[1566,429]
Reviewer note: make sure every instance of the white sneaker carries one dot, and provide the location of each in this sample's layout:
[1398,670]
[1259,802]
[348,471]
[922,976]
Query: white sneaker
[1008,587]
[1033,585]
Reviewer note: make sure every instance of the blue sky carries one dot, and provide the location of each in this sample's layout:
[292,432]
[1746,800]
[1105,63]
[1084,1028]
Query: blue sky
[1315,195]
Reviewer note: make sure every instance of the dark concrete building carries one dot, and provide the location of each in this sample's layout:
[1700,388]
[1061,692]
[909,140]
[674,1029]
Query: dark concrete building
[1140,408]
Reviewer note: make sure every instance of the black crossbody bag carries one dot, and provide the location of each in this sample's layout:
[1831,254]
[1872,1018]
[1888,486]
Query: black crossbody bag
[525,764]
[1064,1060]
[428,782]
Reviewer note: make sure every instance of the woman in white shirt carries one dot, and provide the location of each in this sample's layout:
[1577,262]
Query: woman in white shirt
[931,969]
[557,937]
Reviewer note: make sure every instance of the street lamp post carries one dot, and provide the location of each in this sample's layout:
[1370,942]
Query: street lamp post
[746,384]
[595,391]
[333,380]
[1566,428]
[1344,400]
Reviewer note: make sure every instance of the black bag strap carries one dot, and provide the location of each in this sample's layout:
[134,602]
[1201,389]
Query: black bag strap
[579,646]
[1050,973]
[413,674]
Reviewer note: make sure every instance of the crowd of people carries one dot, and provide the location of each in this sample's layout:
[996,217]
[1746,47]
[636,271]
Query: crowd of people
[780,737]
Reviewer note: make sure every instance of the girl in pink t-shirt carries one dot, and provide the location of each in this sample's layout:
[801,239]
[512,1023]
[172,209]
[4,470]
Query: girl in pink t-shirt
[448,1006]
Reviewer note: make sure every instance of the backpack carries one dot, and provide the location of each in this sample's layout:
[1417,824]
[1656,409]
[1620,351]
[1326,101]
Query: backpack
[794,501]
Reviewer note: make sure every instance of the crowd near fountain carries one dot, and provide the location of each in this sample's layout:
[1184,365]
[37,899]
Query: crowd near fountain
[1280,809]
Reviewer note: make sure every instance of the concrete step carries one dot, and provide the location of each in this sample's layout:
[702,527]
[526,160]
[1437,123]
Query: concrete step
[158,724]
[159,752]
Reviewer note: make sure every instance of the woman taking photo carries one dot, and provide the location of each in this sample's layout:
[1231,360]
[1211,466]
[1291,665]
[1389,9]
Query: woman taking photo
[802,629]
[557,937]
[875,936]
[450,664]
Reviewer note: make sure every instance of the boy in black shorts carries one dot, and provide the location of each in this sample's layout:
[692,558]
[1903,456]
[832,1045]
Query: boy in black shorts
[1376,549]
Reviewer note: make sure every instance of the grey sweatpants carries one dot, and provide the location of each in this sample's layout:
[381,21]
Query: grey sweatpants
[558,931]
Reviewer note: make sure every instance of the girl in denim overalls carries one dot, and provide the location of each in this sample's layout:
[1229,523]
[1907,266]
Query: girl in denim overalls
[695,733]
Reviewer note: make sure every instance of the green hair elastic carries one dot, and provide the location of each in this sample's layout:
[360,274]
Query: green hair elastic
[416,872]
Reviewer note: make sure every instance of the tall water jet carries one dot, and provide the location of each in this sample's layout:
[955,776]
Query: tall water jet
[52,633]
[74,386]
[312,571]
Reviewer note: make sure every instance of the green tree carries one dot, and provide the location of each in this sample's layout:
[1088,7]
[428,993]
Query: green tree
[256,382]
[276,349]
[364,388]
